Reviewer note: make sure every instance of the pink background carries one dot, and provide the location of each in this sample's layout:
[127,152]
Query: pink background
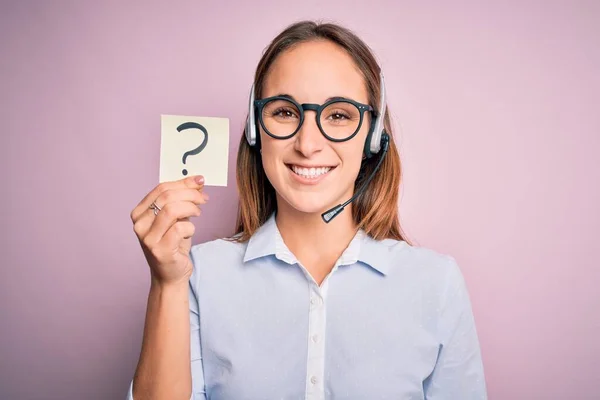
[498,115]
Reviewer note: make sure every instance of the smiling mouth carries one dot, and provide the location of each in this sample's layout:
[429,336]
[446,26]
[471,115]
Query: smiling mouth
[309,173]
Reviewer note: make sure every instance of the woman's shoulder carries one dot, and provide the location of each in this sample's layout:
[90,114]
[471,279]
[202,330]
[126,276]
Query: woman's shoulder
[420,261]
[422,272]
[221,247]
[426,257]
[216,260]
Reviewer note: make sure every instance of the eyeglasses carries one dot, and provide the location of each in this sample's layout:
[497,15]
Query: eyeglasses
[339,119]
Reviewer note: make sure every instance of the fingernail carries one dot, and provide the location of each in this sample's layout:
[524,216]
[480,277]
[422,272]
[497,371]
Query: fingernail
[206,197]
[199,179]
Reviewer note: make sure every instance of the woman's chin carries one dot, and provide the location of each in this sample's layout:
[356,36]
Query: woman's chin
[309,203]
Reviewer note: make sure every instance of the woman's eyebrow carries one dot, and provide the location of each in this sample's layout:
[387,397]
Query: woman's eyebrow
[289,96]
[337,98]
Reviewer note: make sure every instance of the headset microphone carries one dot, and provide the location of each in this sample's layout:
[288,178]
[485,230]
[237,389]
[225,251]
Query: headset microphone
[335,211]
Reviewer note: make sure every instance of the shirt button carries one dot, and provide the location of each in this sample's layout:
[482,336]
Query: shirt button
[315,338]
[313,380]
[314,301]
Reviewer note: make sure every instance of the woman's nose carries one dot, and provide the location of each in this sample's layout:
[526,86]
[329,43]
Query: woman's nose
[309,139]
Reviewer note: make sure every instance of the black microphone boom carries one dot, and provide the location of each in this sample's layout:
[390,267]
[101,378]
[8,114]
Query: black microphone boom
[335,211]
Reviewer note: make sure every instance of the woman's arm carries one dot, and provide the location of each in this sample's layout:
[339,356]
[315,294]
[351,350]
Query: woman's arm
[163,371]
[161,222]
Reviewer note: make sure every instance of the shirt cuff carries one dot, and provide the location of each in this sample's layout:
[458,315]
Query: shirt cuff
[130,393]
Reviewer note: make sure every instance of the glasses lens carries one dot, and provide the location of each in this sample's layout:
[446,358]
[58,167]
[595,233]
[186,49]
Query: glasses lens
[281,117]
[340,120]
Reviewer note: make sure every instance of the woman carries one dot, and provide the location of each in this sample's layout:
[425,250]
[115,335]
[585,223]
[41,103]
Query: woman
[297,304]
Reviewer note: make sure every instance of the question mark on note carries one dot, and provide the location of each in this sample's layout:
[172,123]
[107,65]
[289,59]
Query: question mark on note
[193,125]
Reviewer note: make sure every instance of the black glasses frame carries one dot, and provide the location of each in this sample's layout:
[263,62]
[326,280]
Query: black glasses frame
[362,108]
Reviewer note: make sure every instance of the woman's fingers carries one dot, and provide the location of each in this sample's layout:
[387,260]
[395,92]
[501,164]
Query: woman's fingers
[167,217]
[145,220]
[165,237]
[192,182]
[183,229]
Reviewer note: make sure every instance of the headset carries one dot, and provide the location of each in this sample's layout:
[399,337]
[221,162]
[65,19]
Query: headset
[377,142]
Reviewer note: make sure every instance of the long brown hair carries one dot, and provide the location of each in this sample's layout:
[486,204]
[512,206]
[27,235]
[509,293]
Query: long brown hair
[376,209]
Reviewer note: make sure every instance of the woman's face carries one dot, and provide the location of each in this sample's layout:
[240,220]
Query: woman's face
[313,72]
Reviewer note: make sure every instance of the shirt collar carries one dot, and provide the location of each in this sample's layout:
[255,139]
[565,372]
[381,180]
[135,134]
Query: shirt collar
[267,241]
[262,242]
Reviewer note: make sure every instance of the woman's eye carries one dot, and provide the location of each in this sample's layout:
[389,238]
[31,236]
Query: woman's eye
[284,113]
[339,116]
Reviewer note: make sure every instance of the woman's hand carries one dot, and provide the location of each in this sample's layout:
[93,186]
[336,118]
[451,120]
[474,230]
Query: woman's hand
[166,238]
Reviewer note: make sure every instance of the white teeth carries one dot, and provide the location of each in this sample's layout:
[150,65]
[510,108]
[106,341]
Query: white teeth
[310,172]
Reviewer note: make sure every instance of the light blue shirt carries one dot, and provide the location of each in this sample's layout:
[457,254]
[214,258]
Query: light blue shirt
[390,321]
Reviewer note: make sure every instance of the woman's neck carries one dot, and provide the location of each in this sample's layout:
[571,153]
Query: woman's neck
[316,244]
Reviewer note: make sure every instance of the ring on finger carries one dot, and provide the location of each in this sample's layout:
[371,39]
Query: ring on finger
[155,208]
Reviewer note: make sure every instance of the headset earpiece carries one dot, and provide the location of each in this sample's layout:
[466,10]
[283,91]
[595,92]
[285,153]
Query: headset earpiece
[367,147]
[251,134]
[373,142]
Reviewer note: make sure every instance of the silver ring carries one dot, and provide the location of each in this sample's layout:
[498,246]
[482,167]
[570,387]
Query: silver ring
[155,208]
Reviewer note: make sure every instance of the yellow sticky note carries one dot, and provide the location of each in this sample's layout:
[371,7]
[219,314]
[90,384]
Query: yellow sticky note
[194,146]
